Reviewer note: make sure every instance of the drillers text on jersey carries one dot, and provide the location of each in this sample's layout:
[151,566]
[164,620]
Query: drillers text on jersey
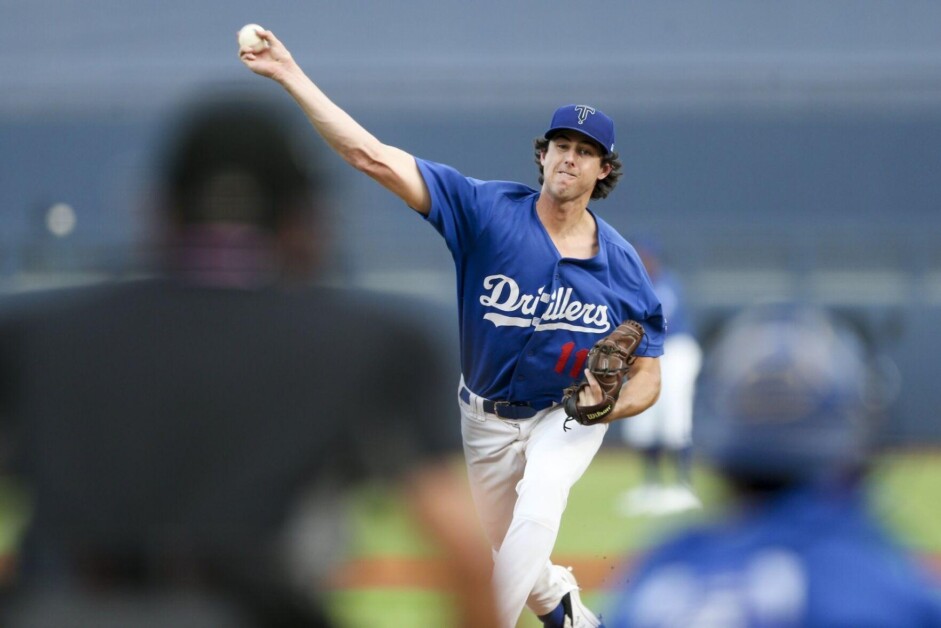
[561,312]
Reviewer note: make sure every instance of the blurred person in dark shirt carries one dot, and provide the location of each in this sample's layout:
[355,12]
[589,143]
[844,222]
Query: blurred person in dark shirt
[195,433]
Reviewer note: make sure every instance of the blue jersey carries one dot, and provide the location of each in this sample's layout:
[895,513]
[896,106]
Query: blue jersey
[527,315]
[803,561]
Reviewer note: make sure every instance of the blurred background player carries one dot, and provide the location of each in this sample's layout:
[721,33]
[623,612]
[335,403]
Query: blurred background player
[784,414]
[189,438]
[662,433]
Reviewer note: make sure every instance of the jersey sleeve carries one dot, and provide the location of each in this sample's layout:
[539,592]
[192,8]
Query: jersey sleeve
[655,324]
[460,206]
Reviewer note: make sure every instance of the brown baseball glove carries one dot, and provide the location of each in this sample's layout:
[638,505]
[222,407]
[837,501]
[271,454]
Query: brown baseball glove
[608,361]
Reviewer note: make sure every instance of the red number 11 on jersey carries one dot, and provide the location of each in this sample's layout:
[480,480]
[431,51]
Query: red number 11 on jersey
[580,357]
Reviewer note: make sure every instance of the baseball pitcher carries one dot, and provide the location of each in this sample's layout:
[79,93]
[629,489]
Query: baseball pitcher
[541,281]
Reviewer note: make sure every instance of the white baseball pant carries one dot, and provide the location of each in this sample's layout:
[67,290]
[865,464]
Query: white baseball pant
[520,474]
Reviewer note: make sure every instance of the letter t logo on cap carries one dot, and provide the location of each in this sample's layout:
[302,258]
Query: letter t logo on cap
[583,112]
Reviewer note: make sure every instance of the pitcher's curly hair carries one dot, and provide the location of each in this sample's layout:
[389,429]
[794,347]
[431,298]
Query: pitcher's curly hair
[604,186]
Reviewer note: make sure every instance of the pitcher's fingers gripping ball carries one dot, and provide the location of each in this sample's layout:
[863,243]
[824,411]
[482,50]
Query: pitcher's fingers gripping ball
[608,363]
[248,38]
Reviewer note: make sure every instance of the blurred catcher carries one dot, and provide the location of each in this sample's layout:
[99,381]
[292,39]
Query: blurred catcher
[784,413]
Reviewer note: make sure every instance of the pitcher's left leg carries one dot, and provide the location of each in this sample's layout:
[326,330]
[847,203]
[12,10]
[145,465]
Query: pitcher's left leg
[555,459]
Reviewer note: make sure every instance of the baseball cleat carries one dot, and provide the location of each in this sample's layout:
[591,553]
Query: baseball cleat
[577,614]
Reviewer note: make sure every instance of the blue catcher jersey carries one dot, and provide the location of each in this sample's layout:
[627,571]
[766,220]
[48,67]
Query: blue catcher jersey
[527,315]
[805,561]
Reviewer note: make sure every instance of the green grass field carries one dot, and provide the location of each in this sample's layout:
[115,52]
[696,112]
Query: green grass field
[904,494]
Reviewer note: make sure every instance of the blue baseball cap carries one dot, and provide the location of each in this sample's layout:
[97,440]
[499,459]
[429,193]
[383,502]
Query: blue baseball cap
[584,119]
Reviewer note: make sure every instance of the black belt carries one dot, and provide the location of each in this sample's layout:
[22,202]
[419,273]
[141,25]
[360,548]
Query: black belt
[508,409]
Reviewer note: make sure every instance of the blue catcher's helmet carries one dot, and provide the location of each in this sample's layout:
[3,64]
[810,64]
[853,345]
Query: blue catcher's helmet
[782,396]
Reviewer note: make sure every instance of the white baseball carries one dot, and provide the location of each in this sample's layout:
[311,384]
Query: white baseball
[248,38]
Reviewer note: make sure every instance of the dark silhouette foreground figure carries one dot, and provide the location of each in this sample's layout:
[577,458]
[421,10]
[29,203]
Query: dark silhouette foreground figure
[189,438]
